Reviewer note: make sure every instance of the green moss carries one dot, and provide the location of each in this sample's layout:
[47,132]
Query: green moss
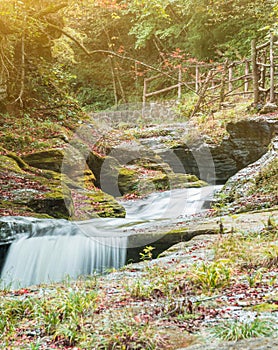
[8,164]
[185,181]
[19,160]
[51,159]
[127,172]
[160,182]
[177,231]
[127,180]
[89,204]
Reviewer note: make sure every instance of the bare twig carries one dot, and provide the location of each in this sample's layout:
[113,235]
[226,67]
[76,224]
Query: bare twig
[115,54]
[22,80]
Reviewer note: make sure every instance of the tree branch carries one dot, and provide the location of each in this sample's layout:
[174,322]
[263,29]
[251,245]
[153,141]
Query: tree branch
[115,54]
[51,9]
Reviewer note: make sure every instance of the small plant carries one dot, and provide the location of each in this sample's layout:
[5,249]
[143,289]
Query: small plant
[180,308]
[212,276]
[147,253]
[237,330]
[67,333]
[254,278]
[140,289]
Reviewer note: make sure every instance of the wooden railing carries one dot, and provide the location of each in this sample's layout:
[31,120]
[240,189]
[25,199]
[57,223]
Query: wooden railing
[214,82]
[263,62]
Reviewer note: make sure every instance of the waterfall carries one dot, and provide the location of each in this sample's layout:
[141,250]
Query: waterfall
[56,249]
[49,250]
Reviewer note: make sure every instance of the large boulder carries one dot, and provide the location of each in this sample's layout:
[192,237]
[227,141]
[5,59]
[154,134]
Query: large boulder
[247,141]
[254,187]
[142,179]
[67,160]
[45,193]
[30,193]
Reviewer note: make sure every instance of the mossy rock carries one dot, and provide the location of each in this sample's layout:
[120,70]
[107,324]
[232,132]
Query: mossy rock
[159,182]
[9,208]
[104,168]
[128,180]
[91,204]
[9,164]
[56,201]
[68,161]
[26,193]
[144,180]
[51,159]
[185,181]
[46,193]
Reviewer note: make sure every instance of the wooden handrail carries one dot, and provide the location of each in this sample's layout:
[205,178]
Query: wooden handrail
[258,73]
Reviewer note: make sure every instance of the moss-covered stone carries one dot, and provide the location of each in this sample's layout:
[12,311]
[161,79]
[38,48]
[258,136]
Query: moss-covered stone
[68,161]
[56,201]
[254,187]
[96,203]
[137,178]
[41,192]
[51,159]
[128,180]
[185,181]
[9,163]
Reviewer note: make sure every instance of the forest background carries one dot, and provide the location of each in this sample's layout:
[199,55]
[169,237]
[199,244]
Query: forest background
[95,54]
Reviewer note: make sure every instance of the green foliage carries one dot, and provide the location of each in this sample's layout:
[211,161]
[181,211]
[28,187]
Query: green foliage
[147,253]
[58,316]
[215,275]
[198,27]
[186,106]
[28,30]
[236,330]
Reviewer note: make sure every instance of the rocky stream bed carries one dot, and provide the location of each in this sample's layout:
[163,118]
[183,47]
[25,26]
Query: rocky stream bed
[215,268]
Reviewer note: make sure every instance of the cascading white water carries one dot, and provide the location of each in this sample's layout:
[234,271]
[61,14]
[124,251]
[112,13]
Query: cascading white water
[51,250]
[63,250]
[50,259]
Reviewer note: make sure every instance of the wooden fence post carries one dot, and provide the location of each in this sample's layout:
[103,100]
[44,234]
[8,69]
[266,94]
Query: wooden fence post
[223,82]
[197,78]
[180,84]
[144,92]
[255,72]
[230,79]
[272,70]
[246,82]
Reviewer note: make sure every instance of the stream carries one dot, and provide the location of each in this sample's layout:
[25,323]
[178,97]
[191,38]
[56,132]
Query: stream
[50,250]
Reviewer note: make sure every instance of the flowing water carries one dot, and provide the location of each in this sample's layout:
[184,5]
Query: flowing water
[50,250]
